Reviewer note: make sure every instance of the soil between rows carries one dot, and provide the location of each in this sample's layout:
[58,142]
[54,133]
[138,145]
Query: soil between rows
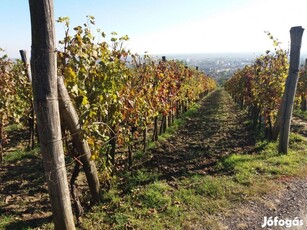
[219,128]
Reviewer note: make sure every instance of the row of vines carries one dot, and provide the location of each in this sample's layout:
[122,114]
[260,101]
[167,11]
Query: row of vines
[120,95]
[259,87]
[15,96]
[121,98]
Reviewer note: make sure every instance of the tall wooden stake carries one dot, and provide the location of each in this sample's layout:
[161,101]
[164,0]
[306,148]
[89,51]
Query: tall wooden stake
[70,116]
[46,104]
[31,121]
[24,58]
[296,34]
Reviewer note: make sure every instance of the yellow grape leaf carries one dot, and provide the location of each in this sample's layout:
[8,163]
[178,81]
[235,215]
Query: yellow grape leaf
[85,100]
[90,141]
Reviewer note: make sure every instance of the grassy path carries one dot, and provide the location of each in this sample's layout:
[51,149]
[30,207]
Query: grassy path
[212,165]
[217,129]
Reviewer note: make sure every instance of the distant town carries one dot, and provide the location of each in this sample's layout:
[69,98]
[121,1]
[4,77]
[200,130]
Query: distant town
[220,66]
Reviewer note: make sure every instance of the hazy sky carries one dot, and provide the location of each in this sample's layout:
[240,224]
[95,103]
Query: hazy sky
[168,26]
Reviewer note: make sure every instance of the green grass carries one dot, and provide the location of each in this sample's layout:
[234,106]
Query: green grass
[6,220]
[154,196]
[20,154]
[13,127]
[268,162]
[299,113]
[195,200]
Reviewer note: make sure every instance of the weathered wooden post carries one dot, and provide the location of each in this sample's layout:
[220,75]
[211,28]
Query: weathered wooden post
[296,34]
[46,104]
[31,122]
[1,141]
[24,58]
[164,122]
[70,116]
[304,101]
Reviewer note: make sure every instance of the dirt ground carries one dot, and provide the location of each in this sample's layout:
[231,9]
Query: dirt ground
[216,130]
[290,203]
[23,193]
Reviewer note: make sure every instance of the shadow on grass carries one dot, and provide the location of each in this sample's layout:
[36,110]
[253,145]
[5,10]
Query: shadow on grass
[17,137]
[33,223]
[23,191]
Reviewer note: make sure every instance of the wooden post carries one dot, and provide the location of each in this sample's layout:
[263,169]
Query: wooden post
[31,121]
[155,129]
[145,139]
[46,104]
[70,116]
[177,109]
[112,143]
[24,58]
[1,141]
[277,124]
[170,118]
[166,124]
[304,101]
[130,150]
[162,125]
[296,34]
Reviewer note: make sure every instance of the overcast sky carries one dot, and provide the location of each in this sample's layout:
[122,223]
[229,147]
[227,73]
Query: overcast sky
[168,26]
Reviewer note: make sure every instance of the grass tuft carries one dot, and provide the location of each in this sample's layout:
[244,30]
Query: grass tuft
[18,155]
[155,196]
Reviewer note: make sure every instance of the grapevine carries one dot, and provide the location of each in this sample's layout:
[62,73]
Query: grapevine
[259,87]
[119,94]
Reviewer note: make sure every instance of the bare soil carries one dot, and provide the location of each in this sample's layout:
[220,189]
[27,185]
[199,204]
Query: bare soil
[219,128]
[23,193]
